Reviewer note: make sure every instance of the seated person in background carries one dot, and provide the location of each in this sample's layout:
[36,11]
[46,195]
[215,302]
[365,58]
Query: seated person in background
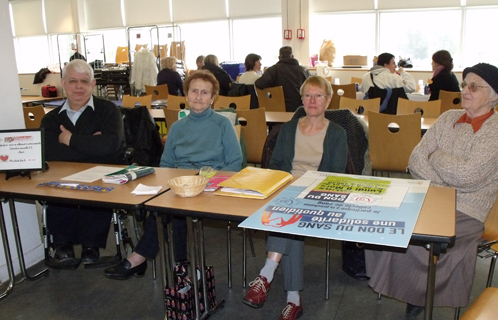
[286,73]
[458,151]
[442,78]
[199,62]
[168,75]
[203,138]
[211,64]
[84,129]
[253,68]
[385,77]
[308,143]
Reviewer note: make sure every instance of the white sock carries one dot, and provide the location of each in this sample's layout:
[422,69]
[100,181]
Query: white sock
[269,269]
[293,297]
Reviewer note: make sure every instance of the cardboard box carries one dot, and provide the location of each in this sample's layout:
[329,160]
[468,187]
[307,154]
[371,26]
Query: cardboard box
[355,60]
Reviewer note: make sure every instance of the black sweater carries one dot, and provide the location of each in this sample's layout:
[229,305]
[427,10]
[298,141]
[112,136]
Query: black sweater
[107,147]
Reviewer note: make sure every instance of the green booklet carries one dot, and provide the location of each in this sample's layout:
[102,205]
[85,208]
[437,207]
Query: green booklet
[127,174]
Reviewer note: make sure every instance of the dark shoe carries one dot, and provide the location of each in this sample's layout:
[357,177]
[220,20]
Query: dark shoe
[413,311]
[124,271]
[256,296]
[291,312]
[90,255]
[63,258]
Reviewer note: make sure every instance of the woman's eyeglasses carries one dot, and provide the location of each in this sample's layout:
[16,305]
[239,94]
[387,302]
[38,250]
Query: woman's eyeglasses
[317,96]
[472,86]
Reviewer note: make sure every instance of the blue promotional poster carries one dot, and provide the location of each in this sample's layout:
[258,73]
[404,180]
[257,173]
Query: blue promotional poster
[363,209]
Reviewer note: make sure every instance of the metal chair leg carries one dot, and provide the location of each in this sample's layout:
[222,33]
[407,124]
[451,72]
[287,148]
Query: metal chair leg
[491,270]
[229,253]
[457,313]
[251,244]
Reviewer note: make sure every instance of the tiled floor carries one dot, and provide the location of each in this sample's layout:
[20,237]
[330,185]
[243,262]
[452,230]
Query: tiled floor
[87,294]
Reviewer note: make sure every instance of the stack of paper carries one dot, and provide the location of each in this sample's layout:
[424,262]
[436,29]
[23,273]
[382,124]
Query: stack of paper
[127,174]
[142,190]
[253,182]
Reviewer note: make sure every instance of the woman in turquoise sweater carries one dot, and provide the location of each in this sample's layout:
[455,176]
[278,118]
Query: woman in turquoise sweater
[203,138]
[309,143]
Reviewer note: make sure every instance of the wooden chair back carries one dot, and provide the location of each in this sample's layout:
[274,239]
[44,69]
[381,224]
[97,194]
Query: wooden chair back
[159,92]
[171,116]
[271,99]
[122,55]
[237,103]
[491,224]
[428,109]
[450,100]
[254,132]
[161,50]
[356,80]
[33,116]
[140,46]
[329,79]
[349,92]
[130,101]
[175,102]
[390,151]
[360,106]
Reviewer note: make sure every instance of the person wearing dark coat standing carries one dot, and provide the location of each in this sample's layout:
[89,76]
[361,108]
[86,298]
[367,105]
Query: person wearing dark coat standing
[286,73]
[442,78]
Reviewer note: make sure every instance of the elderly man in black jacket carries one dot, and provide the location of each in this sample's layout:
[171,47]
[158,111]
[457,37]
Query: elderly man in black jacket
[84,129]
[286,73]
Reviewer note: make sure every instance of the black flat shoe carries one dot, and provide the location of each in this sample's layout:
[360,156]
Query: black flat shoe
[90,255]
[123,270]
[413,311]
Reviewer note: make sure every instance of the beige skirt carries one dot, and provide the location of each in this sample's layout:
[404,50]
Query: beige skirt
[402,274]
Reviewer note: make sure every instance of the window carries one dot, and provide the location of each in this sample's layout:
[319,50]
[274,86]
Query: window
[112,39]
[205,38]
[418,34]
[32,54]
[351,33]
[478,45]
[262,36]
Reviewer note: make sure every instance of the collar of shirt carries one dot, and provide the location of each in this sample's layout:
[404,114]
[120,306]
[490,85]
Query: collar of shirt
[74,115]
[476,122]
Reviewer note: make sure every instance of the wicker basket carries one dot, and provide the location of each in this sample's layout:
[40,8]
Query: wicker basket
[188,186]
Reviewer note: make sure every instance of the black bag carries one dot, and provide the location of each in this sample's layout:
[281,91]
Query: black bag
[391,106]
[353,260]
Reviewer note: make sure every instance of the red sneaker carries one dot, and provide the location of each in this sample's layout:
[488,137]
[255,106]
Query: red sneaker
[256,296]
[291,312]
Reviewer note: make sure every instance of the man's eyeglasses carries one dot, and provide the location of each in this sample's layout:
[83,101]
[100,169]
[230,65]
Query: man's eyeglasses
[472,86]
[317,96]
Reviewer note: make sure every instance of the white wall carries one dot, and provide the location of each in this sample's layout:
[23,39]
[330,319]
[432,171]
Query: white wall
[14,119]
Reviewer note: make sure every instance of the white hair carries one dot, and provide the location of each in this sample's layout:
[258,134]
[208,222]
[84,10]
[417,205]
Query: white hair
[80,66]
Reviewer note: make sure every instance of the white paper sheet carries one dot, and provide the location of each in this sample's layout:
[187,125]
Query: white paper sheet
[91,175]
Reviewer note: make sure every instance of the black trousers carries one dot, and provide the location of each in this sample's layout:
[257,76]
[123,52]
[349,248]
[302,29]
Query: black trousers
[148,246]
[87,226]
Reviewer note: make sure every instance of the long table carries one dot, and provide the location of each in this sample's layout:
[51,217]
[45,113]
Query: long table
[435,226]
[27,189]
[29,100]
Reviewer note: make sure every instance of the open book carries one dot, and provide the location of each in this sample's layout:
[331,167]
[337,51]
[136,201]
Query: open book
[127,174]
[252,182]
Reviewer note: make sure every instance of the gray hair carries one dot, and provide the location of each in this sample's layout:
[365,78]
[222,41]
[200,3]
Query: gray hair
[211,58]
[80,66]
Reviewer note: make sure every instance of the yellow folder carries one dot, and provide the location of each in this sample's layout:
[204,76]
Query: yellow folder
[252,182]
